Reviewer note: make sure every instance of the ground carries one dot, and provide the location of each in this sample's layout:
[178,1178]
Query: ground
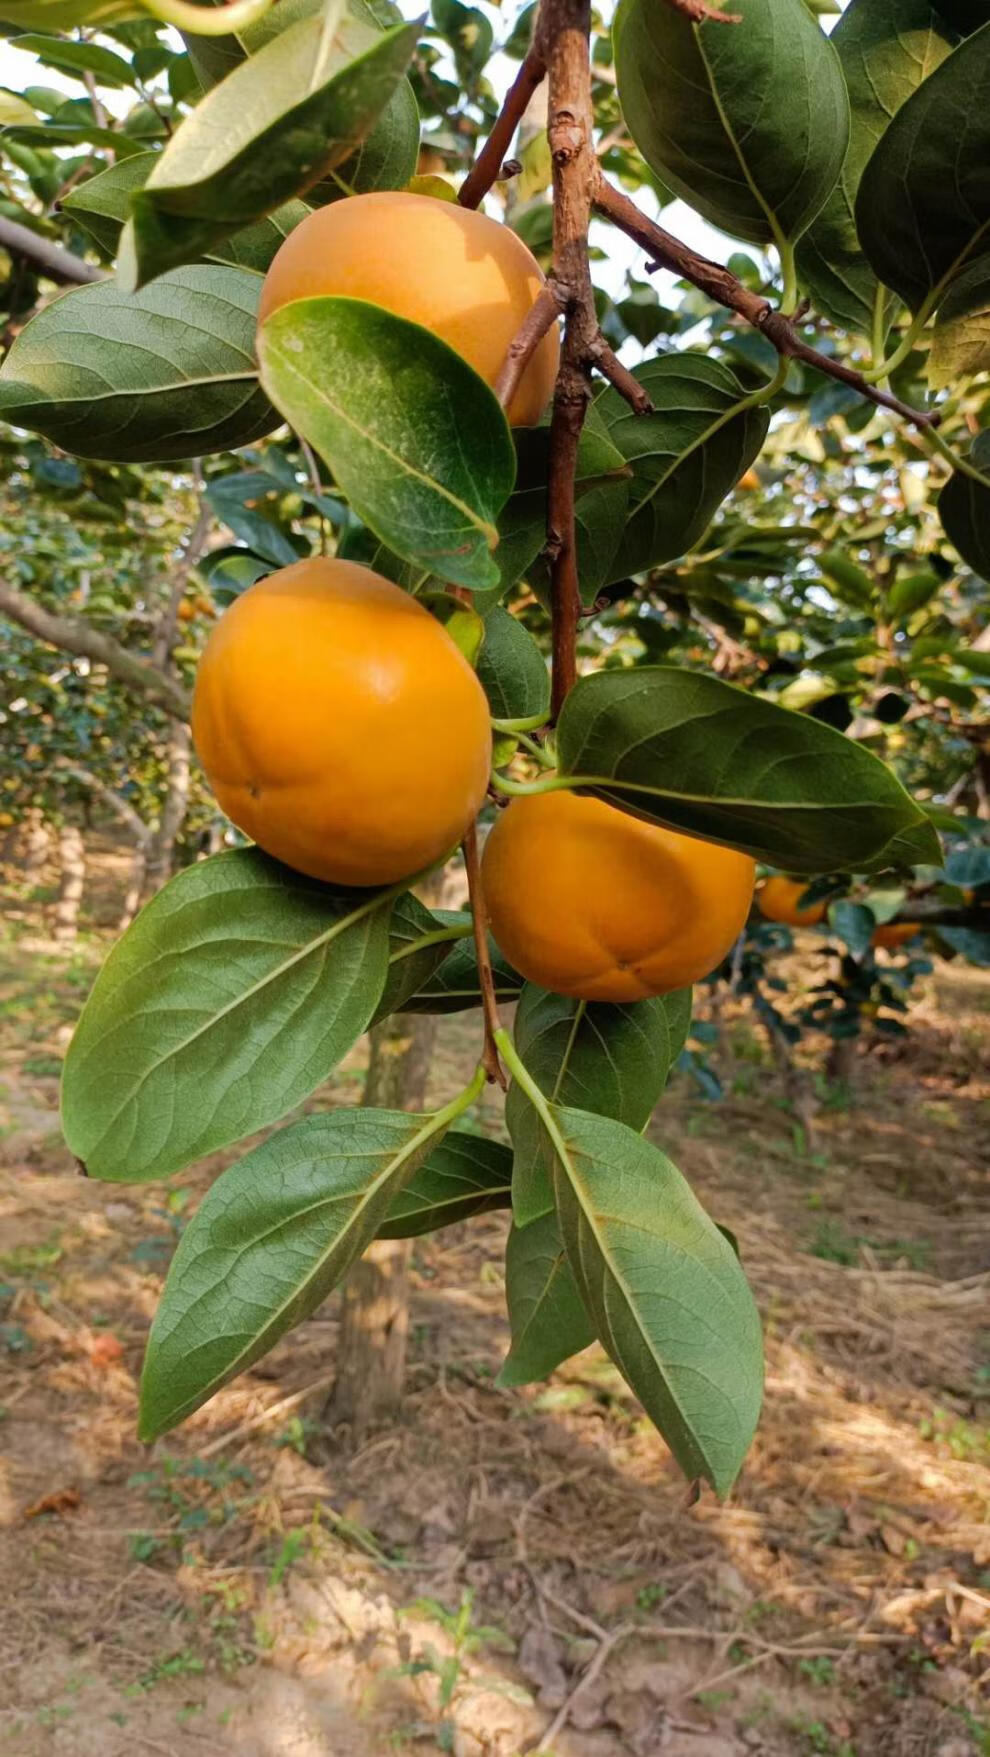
[253,1586]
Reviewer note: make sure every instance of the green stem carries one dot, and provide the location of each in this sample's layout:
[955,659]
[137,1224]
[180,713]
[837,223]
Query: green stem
[532,724]
[537,751]
[459,931]
[883,368]
[441,1119]
[788,268]
[878,339]
[208,21]
[933,442]
[525,1081]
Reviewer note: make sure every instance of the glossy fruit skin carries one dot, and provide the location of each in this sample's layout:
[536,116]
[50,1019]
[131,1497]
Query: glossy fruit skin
[777,900]
[339,725]
[456,272]
[893,934]
[589,902]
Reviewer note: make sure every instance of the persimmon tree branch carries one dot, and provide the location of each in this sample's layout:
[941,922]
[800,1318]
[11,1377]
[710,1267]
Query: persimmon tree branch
[487,166]
[192,549]
[666,251]
[490,1059]
[54,262]
[72,634]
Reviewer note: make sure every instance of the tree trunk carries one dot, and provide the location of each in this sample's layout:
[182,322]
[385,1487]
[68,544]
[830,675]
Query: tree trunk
[374,1320]
[35,844]
[72,877]
[162,853]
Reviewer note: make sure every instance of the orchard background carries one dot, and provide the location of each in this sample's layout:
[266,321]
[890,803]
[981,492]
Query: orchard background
[760,507]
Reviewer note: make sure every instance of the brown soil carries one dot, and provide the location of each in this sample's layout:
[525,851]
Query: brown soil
[251,1586]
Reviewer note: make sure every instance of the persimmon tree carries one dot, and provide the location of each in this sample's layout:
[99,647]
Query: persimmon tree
[855,167]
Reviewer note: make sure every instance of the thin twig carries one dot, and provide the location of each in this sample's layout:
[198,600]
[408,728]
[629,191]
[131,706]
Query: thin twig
[539,319]
[487,168]
[486,981]
[713,278]
[54,262]
[585,1681]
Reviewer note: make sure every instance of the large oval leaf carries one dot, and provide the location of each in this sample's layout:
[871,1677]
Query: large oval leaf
[923,209]
[414,437]
[267,132]
[454,987]
[268,1242]
[665,1290]
[886,47]
[418,944]
[546,1316]
[685,457]
[705,757]
[512,670]
[613,1060]
[964,509]
[748,124]
[235,992]
[465,1176]
[157,376]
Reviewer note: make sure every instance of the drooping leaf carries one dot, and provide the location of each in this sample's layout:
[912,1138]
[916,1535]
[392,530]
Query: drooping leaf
[546,1316]
[157,376]
[710,759]
[269,1241]
[511,669]
[454,987]
[235,992]
[613,1060]
[923,209]
[685,458]
[665,1290]
[414,437]
[465,1176]
[267,132]
[964,509]
[886,48]
[748,125]
[961,335]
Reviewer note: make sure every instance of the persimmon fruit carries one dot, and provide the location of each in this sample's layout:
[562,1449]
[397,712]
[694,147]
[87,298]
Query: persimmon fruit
[452,270]
[891,935]
[590,902]
[339,725]
[778,899]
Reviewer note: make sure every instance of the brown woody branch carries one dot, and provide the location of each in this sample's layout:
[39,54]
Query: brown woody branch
[54,262]
[487,168]
[540,318]
[479,918]
[719,284]
[72,634]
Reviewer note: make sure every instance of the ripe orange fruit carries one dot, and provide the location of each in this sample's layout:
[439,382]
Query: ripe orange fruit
[339,725]
[186,611]
[894,934]
[456,272]
[590,902]
[777,900]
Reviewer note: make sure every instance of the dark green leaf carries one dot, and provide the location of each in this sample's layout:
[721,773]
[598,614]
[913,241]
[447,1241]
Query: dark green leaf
[465,1176]
[78,59]
[454,987]
[236,991]
[268,1242]
[705,757]
[548,1321]
[886,47]
[911,592]
[853,923]
[164,374]
[923,208]
[665,1289]
[961,336]
[749,124]
[512,670]
[272,128]
[964,509]
[415,439]
[613,1060]
[685,458]
[415,951]
[851,583]
[602,493]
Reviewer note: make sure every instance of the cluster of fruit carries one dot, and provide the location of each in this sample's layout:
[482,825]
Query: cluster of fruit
[780,899]
[344,731]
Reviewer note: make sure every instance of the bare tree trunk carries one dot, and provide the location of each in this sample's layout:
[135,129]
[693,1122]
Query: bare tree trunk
[72,877]
[35,844]
[374,1321]
[162,853]
[841,1063]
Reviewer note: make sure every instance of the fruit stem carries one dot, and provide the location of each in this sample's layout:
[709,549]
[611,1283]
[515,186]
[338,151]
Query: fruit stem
[531,724]
[494,1072]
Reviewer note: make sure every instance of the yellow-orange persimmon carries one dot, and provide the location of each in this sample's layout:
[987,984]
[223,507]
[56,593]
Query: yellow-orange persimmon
[456,272]
[778,898]
[590,902]
[340,726]
[893,934]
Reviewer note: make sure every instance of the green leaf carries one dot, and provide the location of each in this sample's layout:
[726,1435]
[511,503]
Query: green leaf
[254,142]
[747,124]
[687,750]
[235,992]
[454,987]
[415,952]
[849,582]
[665,1290]
[601,492]
[886,48]
[685,458]
[64,134]
[961,335]
[911,592]
[964,509]
[853,923]
[546,1316]
[164,374]
[13,109]
[614,1059]
[511,669]
[465,1176]
[78,59]
[414,437]
[269,1241]
[64,15]
[923,208]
